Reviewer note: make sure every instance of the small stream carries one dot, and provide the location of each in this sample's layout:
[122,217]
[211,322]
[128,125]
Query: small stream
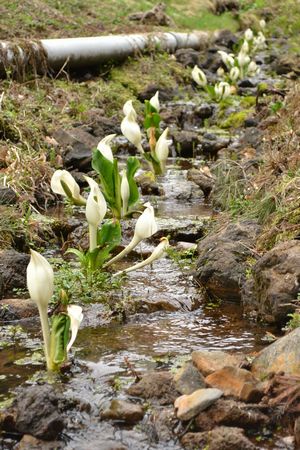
[172,320]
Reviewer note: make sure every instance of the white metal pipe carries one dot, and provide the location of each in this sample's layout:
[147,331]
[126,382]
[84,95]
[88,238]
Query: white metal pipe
[89,51]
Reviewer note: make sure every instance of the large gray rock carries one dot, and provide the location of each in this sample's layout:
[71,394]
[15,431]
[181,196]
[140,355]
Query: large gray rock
[272,292]
[281,356]
[221,267]
[77,145]
[188,379]
[155,385]
[36,412]
[13,267]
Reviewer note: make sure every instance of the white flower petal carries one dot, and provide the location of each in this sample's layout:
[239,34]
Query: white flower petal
[104,147]
[76,316]
[154,101]
[40,280]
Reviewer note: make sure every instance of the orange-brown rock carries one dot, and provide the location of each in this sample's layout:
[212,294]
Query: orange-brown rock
[208,362]
[239,383]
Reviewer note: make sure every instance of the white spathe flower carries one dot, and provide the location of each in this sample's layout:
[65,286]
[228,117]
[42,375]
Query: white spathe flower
[243,59]
[220,72]
[253,69]
[245,47]
[248,34]
[40,284]
[262,23]
[199,76]
[40,279]
[157,253]
[234,73]
[222,90]
[154,101]
[96,207]
[131,130]
[105,148]
[76,316]
[162,148]
[259,42]
[227,58]
[63,183]
[145,227]
[125,192]
[129,109]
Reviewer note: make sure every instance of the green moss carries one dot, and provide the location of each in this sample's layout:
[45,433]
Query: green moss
[236,119]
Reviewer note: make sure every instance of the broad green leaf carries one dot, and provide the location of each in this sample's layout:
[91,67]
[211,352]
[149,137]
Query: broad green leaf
[132,166]
[105,170]
[109,234]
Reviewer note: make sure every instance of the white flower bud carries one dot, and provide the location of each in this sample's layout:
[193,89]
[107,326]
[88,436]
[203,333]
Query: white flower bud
[40,279]
[222,90]
[162,148]
[220,72]
[125,191]
[243,59]
[131,130]
[262,23]
[248,34]
[96,205]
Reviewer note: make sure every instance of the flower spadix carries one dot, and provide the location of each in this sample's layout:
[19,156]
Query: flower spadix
[157,253]
[95,210]
[105,148]
[162,148]
[154,101]
[131,130]
[125,191]
[40,283]
[63,183]
[76,316]
[199,76]
[145,227]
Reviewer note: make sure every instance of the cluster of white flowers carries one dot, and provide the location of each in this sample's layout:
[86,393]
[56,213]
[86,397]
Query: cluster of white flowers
[238,66]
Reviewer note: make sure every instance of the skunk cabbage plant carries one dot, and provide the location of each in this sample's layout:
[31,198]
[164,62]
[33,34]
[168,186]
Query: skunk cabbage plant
[57,341]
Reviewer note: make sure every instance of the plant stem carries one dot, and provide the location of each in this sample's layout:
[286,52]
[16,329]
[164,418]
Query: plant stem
[46,335]
[123,253]
[93,237]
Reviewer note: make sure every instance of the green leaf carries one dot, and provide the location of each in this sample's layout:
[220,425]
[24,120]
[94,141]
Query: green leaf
[59,339]
[109,234]
[80,255]
[109,179]
[155,163]
[132,166]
